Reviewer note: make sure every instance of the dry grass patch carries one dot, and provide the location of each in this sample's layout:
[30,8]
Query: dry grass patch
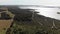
[4,25]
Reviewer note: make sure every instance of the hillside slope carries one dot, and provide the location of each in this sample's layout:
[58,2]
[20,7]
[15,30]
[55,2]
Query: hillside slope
[23,23]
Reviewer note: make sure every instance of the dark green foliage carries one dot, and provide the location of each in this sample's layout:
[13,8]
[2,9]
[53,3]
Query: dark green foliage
[8,31]
[41,32]
[22,17]
[5,16]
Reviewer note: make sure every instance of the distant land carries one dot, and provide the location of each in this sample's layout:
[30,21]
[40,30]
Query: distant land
[29,6]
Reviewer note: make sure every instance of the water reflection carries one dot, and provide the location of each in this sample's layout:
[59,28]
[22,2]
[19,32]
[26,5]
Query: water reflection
[47,12]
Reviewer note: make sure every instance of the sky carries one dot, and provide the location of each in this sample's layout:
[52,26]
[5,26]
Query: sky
[31,2]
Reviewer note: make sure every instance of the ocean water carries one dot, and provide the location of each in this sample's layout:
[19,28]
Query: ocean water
[47,12]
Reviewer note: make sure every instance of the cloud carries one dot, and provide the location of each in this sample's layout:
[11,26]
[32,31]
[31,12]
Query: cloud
[30,2]
[9,2]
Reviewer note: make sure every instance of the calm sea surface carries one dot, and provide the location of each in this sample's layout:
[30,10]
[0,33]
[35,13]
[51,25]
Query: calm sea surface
[47,12]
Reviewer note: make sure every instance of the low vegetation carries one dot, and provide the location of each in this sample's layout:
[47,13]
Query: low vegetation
[23,24]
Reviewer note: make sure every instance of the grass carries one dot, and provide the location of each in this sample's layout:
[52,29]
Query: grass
[28,29]
[4,25]
[32,29]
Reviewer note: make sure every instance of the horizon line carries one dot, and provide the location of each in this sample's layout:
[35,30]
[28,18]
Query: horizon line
[30,6]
